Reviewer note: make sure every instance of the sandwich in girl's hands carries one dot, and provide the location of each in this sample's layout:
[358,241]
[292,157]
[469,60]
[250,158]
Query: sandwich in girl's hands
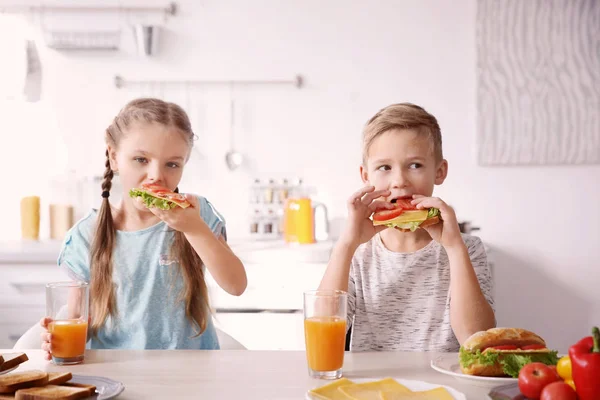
[154,195]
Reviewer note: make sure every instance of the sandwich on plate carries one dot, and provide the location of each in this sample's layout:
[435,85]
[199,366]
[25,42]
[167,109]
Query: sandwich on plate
[503,352]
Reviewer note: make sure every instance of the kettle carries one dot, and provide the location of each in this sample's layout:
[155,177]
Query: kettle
[299,220]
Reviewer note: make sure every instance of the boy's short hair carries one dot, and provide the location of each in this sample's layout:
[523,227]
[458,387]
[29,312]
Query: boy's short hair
[403,116]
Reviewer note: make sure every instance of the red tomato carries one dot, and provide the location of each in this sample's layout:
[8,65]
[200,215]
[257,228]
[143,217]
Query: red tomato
[553,368]
[405,204]
[153,187]
[534,377]
[504,347]
[385,215]
[533,347]
[558,391]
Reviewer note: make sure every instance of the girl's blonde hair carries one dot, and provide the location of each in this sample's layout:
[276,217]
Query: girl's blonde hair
[102,292]
[403,116]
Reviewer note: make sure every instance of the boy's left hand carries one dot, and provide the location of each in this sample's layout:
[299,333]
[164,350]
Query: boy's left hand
[180,219]
[446,232]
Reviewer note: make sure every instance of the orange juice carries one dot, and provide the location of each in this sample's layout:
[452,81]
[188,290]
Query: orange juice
[325,340]
[299,224]
[68,338]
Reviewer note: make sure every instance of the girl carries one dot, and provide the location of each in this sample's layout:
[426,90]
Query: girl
[145,266]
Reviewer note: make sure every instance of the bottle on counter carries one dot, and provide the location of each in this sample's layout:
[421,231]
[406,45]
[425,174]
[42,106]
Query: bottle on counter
[283,191]
[30,217]
[255,192]
[254,220]
[269,191]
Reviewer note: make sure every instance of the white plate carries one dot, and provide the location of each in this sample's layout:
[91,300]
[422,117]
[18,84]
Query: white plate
[9,370]
[105,388]
[412,385]
[448,364]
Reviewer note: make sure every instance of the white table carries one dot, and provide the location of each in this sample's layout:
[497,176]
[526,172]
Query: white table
[223,374]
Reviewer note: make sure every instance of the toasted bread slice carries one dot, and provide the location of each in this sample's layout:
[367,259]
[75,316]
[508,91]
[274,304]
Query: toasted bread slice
[10,383]
[90,388]
[10,360]
[10,396]
[58,378]
[52,392]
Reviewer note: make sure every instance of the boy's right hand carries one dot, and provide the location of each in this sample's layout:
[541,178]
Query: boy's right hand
[45,336]
[361,205]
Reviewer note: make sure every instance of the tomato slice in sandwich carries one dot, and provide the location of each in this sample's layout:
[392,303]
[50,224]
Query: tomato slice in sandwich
[385,215]
[165,193]
[504,347]
[400,206]
[405,204]
[533,347]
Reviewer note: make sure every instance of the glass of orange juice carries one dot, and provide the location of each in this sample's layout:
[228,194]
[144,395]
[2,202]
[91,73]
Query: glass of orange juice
[67,304]
[325,332]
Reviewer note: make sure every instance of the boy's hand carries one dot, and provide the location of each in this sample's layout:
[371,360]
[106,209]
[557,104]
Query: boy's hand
[180,219]
[447,232]
[45,336]
[361,205]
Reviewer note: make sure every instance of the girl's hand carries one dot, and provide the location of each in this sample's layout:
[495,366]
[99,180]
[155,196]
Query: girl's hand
[45,336]
[180,219]
[446,232]
[361,205]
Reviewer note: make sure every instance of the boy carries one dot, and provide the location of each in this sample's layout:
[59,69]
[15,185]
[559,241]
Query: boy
[426,290]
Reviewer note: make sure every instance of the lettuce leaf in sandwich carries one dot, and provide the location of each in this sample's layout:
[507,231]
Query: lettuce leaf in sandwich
[152,201]
[511,362]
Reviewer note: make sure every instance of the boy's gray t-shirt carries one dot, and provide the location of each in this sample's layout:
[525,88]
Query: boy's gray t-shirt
[401,301]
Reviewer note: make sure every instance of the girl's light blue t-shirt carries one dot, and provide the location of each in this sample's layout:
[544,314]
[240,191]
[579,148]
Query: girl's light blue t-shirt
[147,281]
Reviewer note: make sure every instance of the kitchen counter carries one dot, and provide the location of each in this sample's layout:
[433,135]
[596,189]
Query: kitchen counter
[250,251]
[238,374]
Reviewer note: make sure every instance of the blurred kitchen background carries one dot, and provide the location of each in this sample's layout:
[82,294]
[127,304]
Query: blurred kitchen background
[289,85]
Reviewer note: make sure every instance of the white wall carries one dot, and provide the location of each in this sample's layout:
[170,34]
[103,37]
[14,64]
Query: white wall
[543,223]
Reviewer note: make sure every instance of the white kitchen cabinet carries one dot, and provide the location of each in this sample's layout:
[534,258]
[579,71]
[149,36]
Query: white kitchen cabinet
[23,297]
[265,330]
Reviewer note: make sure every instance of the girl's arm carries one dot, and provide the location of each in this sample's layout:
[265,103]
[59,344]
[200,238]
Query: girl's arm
[224,266]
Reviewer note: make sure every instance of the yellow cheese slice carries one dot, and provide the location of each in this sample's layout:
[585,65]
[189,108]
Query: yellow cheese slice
[406,216]
[371,390]
[433,394]
[330,391]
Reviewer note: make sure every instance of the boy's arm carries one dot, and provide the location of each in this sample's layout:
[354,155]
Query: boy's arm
[359,229]
[470,312]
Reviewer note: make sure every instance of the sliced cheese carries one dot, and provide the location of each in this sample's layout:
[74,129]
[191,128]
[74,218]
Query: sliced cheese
[330,391]
[371,390]
[406,216]
[433,394]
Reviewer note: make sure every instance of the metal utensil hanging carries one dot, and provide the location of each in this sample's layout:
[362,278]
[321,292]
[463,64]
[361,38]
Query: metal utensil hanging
[233,158]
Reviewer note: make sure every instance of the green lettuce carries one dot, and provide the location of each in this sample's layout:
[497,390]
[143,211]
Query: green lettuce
[433,212]
[151,201]
[511,362]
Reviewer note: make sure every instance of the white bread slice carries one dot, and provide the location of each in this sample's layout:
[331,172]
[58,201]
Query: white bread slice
[58,378]
[52,392]
[10,383]
[91,388]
